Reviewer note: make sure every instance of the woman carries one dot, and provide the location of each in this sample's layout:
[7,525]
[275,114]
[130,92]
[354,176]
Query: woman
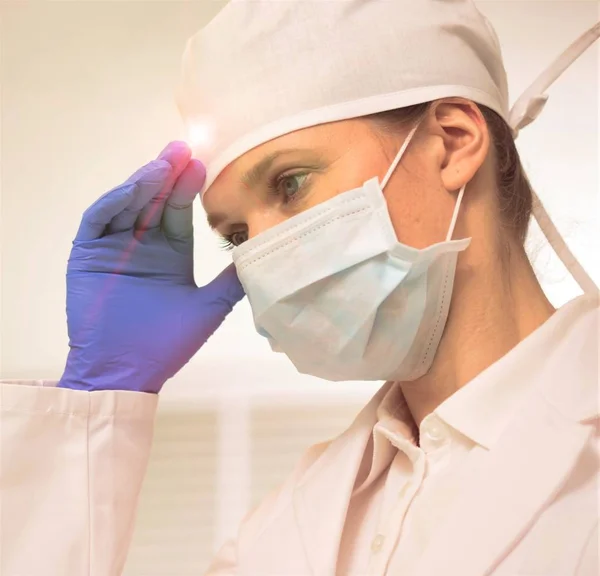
[377,209]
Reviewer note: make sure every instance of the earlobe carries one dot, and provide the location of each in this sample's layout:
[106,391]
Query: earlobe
[466,140]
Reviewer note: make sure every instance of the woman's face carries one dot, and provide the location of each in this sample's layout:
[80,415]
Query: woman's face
[290,174]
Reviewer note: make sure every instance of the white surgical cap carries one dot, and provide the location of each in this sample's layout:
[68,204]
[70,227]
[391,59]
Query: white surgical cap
[263,68]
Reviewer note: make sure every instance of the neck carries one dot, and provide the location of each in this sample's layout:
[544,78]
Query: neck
[493,308]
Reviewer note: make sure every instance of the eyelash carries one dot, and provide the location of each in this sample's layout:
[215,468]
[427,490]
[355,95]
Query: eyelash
[226,243]
[273,184]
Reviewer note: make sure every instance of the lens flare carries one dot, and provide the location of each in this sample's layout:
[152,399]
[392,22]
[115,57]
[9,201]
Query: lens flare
[200,135]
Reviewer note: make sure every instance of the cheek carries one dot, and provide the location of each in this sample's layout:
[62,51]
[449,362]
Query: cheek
[341,177]
[349,173]
[361,170]
[420,211]
[262,219]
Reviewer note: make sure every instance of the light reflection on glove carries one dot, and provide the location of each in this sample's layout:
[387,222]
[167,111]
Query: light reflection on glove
[135,315]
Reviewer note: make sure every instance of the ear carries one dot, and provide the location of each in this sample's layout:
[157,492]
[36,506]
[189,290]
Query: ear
[466,140]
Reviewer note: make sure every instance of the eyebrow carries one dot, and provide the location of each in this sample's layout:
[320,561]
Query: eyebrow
[215,220]
[254,176]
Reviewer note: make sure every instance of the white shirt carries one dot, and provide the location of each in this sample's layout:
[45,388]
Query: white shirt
[405,487]
[531,508]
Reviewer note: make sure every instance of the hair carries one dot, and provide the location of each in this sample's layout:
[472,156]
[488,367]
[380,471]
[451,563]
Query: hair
[514,189]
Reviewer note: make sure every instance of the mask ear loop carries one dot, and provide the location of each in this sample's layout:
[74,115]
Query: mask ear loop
[399,156]
[395,165]
[455,215]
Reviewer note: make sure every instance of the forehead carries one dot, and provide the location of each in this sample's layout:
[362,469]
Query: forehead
[318,146]
[321,137]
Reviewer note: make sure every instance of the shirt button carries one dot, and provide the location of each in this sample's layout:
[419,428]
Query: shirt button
[377,543]
[435,432]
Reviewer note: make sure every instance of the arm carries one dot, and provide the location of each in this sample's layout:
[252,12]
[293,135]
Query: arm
[71,469]
[73,455]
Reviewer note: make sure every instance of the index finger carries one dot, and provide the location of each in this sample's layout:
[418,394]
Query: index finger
[177,154]
[177,221]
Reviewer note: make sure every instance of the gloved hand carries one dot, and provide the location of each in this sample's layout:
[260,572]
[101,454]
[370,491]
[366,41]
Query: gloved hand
[135,315]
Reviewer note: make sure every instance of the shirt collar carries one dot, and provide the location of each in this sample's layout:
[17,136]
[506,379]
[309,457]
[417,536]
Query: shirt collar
[478,411]
[483,408]
[394,430]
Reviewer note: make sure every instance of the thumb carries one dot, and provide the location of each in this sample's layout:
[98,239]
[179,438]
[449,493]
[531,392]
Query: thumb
[223,293]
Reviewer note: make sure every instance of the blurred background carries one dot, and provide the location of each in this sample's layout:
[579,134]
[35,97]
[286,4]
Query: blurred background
[86,97]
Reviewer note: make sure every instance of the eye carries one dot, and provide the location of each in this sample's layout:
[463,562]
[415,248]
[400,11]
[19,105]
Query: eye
[288,185]
[231,241]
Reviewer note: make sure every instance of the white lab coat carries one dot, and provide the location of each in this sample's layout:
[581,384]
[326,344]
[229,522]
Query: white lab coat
[72,464]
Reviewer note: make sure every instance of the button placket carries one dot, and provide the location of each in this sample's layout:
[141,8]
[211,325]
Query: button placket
[389,530]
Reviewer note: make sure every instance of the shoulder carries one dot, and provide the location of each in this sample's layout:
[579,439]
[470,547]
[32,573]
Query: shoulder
[589,561]
[345,449]
[282,495]
[571,381]
[349,444]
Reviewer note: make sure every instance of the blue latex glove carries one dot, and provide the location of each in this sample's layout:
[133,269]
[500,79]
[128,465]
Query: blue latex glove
[135,315]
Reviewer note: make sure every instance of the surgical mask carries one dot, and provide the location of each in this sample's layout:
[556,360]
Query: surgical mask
[334,290]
